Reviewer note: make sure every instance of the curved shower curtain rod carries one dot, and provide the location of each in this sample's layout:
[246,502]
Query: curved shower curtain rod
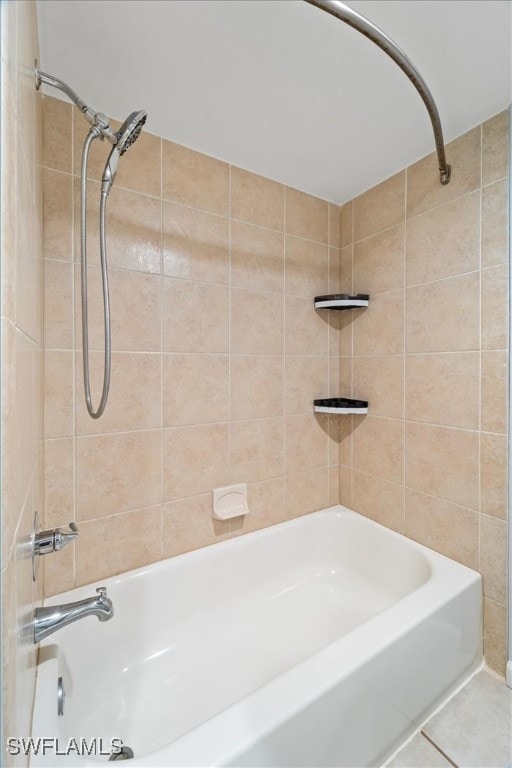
[373,33]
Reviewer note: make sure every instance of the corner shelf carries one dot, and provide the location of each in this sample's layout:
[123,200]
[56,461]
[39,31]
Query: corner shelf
[342,301]
[340,405]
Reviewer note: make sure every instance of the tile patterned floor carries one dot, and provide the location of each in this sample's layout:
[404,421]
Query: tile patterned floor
[474,730]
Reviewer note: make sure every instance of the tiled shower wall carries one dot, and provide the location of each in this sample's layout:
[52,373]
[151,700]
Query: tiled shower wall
[22,359]
[217,352]
[430,355]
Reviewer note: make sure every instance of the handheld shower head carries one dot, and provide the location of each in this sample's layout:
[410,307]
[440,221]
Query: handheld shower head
[130,130]
[127,135]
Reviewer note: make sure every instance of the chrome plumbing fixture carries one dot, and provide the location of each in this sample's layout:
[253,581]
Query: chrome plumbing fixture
[361,24]
[49,619]
[121,140]
[54,539]
[61,697]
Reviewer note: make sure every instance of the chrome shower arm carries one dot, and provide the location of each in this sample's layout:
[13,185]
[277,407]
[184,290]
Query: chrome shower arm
[98,119]
[353,19]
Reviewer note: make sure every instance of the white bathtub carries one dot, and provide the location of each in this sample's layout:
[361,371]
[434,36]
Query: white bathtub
[323,641]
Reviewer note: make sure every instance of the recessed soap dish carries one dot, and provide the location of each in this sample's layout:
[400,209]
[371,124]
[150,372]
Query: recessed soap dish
[340,405]
[230,501]
[342,301]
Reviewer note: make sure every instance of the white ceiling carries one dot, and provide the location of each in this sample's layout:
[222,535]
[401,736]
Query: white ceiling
[280,87]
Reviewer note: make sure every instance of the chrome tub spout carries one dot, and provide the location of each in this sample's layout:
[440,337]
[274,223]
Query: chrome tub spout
[54,617]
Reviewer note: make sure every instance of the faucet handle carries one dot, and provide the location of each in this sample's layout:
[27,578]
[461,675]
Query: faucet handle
[65,537]
[102,591]
[54,539]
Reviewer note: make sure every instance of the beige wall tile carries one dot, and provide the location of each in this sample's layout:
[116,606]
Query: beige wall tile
[134,308]
[346,330]
[334,270]
[306,330]
[380,208]
[493,475]
[306,442]
[194,316]
[445,241]
[379,329]
[306,492]
[257,258]
[494,392]
[334,485]
[345,380]
[380,380]
[117,544]
[379,500]
[58,215]
[134,398]
[58,305]
[26,275]
[346,269]
[378,447]
[495,224]
[346,486]
[21,358]
[59,571]
[495,148]
[57,134]
[193,179]
[266,504]
[443,462]
[495,307]
[493,558]
[443,316]
[347,425]
[188,524]
[444,527]
[346,224]
[195,389]
[444,389]
[334,334]
[24,434]
[306,379]
[134,238]
[306,216]
[423,188]
[306,267]
[195,245]
[141,168]
[59,394]
[256,199]
[116,473]
[256,323]
[334,225]
[334,377]
[249,463]
[495,635]
[195,459]
[379,262]
[256,386]
[59,482]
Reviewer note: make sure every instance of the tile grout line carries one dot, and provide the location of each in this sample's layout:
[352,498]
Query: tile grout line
[438,748]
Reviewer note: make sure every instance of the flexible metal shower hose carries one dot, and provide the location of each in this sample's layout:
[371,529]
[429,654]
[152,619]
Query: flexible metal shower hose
[94,133]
